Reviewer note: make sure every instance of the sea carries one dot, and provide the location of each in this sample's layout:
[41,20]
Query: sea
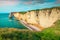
[5,22]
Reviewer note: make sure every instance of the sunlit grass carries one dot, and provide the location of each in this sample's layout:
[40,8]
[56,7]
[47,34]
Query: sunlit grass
[52,33]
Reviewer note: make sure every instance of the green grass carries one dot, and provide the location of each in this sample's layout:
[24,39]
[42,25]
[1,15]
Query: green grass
[52,33]
[22,12]
[46,8]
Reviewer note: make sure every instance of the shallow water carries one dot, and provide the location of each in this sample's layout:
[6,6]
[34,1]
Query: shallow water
[5,22]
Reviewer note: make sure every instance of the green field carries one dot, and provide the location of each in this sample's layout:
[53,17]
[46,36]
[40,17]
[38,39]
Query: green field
[52,33]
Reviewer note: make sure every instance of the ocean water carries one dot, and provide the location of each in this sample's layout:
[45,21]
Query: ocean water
[5,22]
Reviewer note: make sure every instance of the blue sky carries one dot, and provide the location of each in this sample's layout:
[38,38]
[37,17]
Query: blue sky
[7,6]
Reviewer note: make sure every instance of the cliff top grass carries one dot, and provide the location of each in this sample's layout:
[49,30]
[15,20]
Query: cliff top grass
[46,9]
[52,33]
[23,12]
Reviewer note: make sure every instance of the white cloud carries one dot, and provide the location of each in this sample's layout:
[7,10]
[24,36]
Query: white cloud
[57,2]
[9,3]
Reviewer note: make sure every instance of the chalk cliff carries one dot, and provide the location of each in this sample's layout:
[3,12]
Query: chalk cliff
[42,18]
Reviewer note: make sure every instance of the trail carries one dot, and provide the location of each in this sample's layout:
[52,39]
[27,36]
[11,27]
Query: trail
[30,27]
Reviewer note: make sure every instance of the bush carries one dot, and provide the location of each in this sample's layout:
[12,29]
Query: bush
[52,33]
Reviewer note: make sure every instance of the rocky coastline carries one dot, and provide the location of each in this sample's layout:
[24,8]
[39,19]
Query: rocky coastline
[41,19]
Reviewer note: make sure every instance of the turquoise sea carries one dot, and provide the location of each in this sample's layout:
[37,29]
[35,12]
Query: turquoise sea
[5,22]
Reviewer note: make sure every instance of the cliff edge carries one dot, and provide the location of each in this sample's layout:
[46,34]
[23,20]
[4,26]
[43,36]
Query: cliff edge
[40,18]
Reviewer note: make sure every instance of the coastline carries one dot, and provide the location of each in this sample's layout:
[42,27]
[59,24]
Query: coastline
[30,27]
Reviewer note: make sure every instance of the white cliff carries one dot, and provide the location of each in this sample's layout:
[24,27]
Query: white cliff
[40,18]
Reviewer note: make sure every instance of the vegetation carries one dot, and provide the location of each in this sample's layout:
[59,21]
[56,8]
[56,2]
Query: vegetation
[46,8]
[22,12]
[52,33]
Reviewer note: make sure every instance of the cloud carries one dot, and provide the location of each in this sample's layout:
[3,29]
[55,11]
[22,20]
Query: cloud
[27,2]
[8,3]
[57,2]
[36,1]
[15,2]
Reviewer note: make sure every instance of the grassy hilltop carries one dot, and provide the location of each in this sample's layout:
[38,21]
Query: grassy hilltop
[52,33]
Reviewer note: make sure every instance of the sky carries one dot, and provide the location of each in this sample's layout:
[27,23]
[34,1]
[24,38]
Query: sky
[7,6]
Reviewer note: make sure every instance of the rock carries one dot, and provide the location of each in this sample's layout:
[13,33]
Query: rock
[45,17]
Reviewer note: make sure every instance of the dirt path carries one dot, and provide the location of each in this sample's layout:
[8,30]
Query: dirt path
[30,27]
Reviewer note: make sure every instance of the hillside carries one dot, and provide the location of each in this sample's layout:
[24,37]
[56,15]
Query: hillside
[52,33]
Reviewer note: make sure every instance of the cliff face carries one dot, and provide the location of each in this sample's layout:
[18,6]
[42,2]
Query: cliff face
[48,17]
[45,17]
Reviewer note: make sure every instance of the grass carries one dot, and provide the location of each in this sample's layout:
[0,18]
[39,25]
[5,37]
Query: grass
[46,9]
[23,12]
[52,33]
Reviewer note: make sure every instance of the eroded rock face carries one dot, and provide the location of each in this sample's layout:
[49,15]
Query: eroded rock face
[45,18]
